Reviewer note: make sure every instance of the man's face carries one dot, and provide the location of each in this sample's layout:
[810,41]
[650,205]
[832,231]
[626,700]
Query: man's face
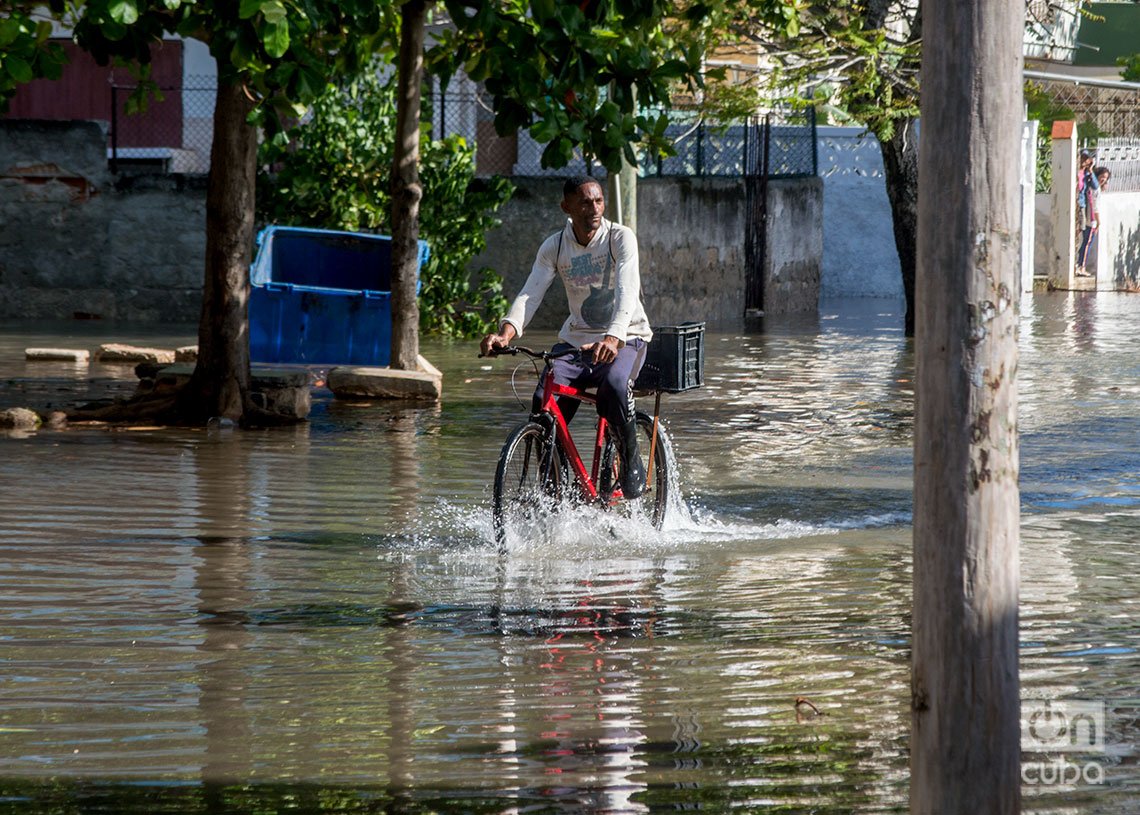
[585,207]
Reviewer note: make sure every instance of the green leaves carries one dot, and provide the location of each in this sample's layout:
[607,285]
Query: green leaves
[1129,67]
[281,51]
[575,73]
[270,19]
[866,56]
[276,39]
[26,53]
[19,69]
[124,12]
[333,172]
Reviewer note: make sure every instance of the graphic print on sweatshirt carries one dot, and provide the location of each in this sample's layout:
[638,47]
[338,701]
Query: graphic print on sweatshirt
[593,272]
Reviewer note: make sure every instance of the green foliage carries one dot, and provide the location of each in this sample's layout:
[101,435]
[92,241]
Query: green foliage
[841,60]
[581,75]
[26,52]
[1043,107]
[333,171]
[281,51]
[1129,67]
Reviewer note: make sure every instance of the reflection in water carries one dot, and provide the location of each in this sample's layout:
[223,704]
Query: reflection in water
[316,618]
[224,510]
[1083,320]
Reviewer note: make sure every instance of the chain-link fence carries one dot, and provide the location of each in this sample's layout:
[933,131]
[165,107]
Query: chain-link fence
[782,144]
[1115,111]
[171,133]
[1122,158]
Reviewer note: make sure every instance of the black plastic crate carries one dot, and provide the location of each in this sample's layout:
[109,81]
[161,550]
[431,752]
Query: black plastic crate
[675,361]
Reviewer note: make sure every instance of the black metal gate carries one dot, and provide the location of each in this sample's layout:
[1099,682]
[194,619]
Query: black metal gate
[785,148]
[756,213]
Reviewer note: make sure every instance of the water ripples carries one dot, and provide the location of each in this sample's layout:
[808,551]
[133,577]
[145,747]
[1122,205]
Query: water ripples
[317,619]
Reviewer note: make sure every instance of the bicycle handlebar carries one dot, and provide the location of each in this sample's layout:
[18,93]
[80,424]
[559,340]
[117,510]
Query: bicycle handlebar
[514,350]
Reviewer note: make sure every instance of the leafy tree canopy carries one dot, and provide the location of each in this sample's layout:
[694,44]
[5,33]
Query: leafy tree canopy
[858,60]
[26,51]
[588,75]
[1129,67]
[281,51]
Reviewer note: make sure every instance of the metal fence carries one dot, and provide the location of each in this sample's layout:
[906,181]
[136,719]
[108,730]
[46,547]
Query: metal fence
[782,143]
[169,134]
[174,135]
[1113,110]
[1122,158]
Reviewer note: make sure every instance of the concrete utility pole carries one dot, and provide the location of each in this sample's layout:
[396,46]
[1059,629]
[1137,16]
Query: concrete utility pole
[621,196]
[965,752]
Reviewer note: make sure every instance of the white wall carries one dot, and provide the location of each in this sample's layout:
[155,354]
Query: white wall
[859,256]
[1117,246]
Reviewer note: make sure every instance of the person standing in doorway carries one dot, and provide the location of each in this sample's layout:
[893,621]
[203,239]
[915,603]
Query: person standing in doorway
[1087,189]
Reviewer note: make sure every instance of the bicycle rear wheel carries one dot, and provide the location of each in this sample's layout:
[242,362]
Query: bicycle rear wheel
[655,500]
[528,482]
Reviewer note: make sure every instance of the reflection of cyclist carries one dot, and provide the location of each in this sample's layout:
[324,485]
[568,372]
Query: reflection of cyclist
[597,261]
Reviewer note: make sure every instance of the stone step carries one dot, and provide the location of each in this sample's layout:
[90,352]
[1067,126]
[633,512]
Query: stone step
[362,382]
[118,353]
[56,355]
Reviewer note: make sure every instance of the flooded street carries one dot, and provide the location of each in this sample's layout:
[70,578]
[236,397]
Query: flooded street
[316,619]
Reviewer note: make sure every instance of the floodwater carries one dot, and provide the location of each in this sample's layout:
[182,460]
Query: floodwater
[315,619]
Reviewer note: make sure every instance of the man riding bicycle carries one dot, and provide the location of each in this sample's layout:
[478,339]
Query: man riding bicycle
[597,261]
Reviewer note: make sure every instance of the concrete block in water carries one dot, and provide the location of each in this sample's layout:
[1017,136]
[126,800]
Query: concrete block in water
[19,419]
[56,355]
[129,354]
[387,383]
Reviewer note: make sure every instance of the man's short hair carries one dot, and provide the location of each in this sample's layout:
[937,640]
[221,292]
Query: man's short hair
[577,182]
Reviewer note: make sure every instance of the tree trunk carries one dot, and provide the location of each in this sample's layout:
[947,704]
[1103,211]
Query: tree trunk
[406,189]
[220,385]
[900,168]
[900,152]
[965,737]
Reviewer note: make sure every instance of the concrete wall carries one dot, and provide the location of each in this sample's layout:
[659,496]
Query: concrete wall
[1117,245]
[859,255]
[1044,243]
[794,247]
[71,241]
[1115,254]
[691,239]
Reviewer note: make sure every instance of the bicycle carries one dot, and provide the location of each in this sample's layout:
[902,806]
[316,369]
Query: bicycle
[540,467]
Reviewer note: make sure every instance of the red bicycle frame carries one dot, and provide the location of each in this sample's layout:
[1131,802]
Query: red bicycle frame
[550,393]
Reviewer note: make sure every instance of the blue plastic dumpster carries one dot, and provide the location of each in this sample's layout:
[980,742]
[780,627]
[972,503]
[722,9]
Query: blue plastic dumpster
[322,297]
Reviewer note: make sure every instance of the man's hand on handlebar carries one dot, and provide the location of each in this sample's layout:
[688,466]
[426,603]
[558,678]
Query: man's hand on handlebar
[500,340]
[605,351]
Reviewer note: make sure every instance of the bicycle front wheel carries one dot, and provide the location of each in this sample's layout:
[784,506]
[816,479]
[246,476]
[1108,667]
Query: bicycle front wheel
[528,483]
